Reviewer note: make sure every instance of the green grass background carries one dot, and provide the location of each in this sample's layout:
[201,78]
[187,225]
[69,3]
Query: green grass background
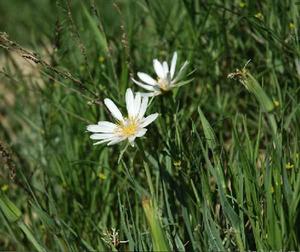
[217,171]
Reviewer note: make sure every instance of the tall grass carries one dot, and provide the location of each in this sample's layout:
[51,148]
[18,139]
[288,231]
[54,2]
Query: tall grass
[217,171]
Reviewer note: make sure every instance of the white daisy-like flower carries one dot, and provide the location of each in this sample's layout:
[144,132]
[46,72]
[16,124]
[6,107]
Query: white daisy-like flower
[128,127]
[166,79]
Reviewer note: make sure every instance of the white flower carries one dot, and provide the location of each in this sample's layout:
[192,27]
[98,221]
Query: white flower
[165,77]
[128,127]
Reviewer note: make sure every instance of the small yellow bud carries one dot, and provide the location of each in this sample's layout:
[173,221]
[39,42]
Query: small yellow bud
[259,16]
[101,59]
[102,176]
[289,166]
[276,103]
[4,188]
[292,26]
[242,5]
[177,163]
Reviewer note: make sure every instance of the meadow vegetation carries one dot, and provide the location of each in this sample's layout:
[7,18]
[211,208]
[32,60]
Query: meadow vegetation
[218,170]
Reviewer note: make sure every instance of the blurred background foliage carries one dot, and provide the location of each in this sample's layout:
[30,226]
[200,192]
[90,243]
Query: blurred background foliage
[215,172]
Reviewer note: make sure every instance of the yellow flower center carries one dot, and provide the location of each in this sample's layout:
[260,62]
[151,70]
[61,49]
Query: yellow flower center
[128,128]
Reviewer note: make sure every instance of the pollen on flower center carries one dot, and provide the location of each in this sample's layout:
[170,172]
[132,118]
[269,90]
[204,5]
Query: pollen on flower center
[128,128]
[163,84]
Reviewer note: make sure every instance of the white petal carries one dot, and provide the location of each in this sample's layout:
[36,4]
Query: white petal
[104,141]
[158,69]
[116,140]
[180,72]
[147,79]
[106,124]
[131,140]
[113,109]
[141,132]
[143,107]
[173,64]
[165,67]
[156,93]
[93,128]
[151,94]
[137,104]
[102,136]
[149,119]
[147,87]
[99,142]
[129,98]
[101,128]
